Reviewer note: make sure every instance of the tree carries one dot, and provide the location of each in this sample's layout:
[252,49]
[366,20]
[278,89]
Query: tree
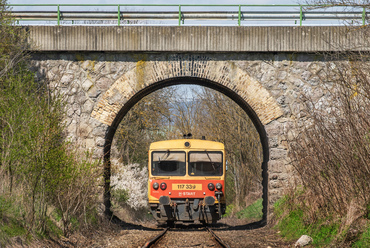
[38,170]
[148,121]
[223,120]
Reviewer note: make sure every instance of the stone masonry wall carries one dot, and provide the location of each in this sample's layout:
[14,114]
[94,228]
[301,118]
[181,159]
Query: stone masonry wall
[97,85]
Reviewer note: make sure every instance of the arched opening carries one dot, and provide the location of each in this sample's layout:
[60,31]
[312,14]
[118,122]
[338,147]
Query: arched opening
[177,81]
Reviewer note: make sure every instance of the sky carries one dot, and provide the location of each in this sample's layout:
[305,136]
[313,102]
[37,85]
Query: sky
[153,2]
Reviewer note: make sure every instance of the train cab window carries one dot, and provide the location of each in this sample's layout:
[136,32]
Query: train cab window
[168,163]
[205,164]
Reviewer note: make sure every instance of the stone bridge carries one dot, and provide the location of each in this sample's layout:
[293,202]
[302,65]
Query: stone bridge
[104,71]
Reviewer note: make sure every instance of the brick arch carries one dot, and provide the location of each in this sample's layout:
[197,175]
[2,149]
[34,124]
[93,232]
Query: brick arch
[225,73]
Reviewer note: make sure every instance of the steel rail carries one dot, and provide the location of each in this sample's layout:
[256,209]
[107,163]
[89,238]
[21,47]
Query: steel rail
[218,239]
[300,12]
[155,239]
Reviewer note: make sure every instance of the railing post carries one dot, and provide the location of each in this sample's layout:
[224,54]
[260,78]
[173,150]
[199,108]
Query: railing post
[300,15]
[58,15]
[179,15]
[119,15]
[364,16]
[239,15]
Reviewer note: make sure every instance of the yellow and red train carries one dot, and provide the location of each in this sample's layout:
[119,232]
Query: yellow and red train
[187,180]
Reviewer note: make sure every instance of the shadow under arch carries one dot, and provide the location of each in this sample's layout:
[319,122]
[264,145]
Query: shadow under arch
[197,81]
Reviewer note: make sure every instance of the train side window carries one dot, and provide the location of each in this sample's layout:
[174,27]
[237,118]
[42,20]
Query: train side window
[168,163]
[205,163]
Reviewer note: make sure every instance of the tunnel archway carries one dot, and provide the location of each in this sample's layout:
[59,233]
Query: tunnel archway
[187,80]
[224,76]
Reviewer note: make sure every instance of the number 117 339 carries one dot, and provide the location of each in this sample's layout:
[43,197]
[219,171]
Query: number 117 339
[176,186]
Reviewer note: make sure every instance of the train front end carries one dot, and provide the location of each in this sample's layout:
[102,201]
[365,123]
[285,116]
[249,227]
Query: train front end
[187,180]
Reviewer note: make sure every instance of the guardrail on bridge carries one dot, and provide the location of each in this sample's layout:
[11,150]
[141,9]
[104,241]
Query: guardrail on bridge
[172,14]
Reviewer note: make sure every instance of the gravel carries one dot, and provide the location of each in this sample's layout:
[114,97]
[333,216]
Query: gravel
[234,232]
[184,236]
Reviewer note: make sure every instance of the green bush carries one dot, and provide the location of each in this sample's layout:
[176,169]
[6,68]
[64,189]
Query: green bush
[229,210]
[120,196]
[253,211]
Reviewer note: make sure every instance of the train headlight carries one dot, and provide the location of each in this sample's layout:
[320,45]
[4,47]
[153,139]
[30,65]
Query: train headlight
[155,185]
[218,186]
[163,186]
[211,186]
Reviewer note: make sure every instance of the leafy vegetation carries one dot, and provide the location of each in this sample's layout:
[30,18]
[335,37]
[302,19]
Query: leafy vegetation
[253,211]
[294,221]
[364,240]
[40,174]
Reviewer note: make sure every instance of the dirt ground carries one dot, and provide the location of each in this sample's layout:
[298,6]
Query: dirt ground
[244,233]
[119,234]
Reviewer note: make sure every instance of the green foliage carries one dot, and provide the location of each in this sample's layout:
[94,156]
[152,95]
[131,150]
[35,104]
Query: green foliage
[230,188]
[11,229]
[10,214]
[292,225]
[120,196]
[253,211]
[229,210]
[364,240]
[294,221]
[72,188]
[38,170]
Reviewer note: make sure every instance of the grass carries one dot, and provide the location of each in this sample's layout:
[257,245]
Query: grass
[364,240]
[10,216]
[253,211]
[293,222]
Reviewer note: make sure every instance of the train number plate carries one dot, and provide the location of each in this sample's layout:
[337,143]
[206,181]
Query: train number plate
[176,186]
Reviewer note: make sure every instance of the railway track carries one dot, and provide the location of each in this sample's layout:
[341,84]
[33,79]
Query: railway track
[186,237]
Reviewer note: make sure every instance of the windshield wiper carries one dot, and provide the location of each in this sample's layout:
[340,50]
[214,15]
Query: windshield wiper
[164,156]
[213,165]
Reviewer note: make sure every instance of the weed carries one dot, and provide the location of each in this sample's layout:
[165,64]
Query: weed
[253,211]
[229,210]
[364,240]
[294,221]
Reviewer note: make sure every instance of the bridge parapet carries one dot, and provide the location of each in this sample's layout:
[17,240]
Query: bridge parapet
[197,39]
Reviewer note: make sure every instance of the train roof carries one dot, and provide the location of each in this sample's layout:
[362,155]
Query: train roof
[192,144]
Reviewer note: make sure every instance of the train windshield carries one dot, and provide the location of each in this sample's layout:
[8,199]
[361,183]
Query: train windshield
[168,163]
[205,164]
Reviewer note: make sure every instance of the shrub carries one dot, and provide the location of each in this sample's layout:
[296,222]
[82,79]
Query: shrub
[38,170]
[133,181]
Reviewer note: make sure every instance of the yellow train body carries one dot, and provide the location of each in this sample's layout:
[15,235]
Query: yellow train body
[187,180]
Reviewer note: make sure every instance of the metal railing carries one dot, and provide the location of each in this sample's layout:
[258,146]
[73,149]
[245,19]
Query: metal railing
[241,15]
